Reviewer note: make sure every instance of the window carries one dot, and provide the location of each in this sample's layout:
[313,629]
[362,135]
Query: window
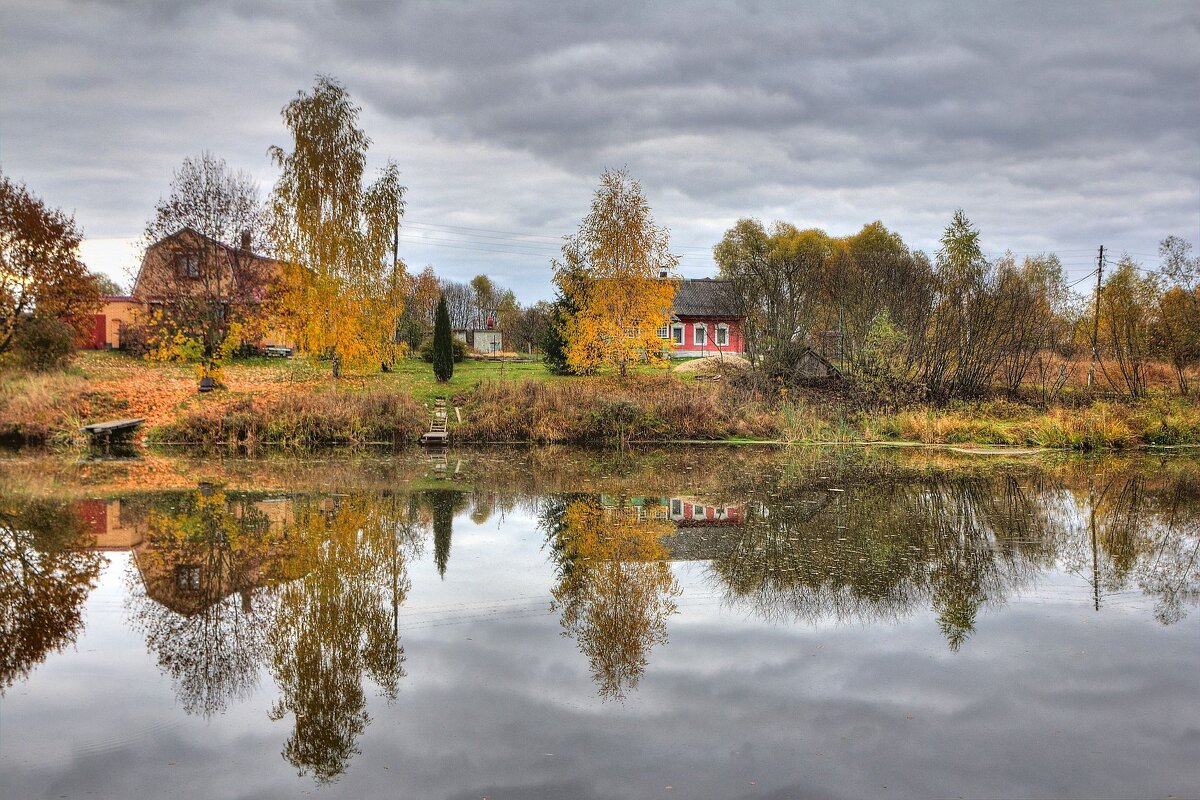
[677,334]
[664,332]
[187,265]
[676,507]
[187,578]
[722,335]
[700,335]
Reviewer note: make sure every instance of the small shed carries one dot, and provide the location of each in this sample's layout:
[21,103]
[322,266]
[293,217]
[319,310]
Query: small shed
[812,366]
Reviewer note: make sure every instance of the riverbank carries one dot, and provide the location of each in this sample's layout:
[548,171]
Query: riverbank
[288,403]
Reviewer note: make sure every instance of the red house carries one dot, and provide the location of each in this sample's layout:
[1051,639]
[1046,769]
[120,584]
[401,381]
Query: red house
[706,320]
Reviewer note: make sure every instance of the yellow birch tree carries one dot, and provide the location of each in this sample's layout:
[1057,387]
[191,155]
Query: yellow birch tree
[344,281]
[611,273]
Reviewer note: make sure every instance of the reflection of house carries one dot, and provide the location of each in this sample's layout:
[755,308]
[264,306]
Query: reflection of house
[188,264]
[706,319]
[692,512]
[186,575]
[683,511]
[109,528]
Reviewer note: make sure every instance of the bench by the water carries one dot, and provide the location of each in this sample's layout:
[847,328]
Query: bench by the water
[113,430]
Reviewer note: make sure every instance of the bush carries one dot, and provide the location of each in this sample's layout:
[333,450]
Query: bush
[425,351]
[43,344]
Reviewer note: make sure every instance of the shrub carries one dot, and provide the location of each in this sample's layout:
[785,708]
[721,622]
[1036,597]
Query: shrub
[43,344]
[597,410]
[425,351]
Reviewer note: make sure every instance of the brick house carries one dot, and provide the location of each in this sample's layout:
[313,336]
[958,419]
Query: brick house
[706,320]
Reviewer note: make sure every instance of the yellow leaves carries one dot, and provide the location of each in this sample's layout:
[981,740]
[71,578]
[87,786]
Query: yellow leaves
[616,590]
[613,272]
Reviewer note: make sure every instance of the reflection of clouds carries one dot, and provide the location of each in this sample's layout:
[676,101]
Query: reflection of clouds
[1046,693]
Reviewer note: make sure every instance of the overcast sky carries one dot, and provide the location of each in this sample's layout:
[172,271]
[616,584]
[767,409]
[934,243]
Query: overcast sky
[1056,126]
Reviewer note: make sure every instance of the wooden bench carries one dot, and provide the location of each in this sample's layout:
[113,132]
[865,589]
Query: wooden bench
[274,351]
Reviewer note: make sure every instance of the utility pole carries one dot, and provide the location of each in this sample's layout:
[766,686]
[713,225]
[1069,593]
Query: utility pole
[1096,318]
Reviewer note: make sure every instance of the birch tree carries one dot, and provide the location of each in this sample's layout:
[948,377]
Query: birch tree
[610,271]
[344,279]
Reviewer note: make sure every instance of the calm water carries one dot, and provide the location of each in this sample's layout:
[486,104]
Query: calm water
[702,623]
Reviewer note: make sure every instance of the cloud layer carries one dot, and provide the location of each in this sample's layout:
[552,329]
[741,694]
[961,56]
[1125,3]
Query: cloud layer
[1056,126]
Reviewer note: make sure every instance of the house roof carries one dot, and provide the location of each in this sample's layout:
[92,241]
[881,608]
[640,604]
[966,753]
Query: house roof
[189,231]
[707,297]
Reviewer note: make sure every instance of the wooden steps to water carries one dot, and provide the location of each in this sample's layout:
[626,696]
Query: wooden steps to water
[438,434]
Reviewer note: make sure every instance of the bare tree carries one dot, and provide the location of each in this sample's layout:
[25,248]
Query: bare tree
[205,274]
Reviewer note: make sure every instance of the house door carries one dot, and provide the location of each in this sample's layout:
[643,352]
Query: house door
[99,331]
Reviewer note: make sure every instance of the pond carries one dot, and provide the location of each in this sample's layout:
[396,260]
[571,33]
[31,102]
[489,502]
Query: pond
[541,623]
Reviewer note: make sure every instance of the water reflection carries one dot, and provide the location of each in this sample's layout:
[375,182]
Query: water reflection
[337,624]
[306,587]
[309,587]
[202,590]
[615,590]
[45,577]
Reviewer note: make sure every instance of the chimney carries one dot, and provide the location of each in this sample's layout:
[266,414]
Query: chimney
[246,240]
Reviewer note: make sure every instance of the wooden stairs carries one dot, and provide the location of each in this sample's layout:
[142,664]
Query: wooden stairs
[437,435]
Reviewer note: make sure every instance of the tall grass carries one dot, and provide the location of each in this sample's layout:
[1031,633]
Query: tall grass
[642,408]
[1100,426]
[48,408]
[299,420]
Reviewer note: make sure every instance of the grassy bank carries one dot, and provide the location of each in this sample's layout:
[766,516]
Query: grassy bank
[290,403]
[300,420]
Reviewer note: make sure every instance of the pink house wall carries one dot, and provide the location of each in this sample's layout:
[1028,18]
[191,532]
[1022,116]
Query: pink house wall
[737,342]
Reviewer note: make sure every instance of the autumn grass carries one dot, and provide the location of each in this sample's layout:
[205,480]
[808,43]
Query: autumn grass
[48,408]
[640,408]
[293,402]
[1099,426]
[299,420]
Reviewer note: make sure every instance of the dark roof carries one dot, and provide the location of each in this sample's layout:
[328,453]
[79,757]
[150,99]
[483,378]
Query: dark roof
[707,298]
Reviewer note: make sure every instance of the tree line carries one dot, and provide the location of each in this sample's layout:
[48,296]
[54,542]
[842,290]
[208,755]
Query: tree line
[900,323]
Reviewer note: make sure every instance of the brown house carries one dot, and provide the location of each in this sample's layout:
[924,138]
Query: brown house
[188,265]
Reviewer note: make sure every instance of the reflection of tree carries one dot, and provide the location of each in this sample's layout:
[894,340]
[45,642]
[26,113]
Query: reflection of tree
[1144,530]
[207,568]
[615,588]
[442,505]
[45,577]
[879,551]
[338,623]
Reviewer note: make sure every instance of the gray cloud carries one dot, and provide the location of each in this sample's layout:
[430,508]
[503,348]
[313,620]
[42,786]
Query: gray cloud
[1057,126]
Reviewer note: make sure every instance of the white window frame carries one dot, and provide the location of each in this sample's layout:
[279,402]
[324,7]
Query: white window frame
[676,507]
[664,331]
[722,338]
[677,335]
[699,335]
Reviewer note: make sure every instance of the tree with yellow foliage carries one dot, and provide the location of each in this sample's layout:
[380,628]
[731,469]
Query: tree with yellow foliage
[344,283]
[612,273]
[615,590]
